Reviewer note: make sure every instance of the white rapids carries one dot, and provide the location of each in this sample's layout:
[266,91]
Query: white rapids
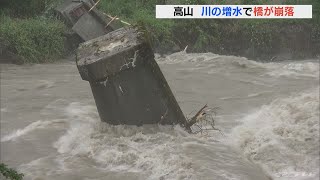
[269,116]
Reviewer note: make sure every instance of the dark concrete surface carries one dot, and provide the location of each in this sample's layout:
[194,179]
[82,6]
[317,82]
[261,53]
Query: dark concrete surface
[127,83]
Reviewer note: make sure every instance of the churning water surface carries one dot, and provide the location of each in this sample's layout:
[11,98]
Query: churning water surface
[269,116]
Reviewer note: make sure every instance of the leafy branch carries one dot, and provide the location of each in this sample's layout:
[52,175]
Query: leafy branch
[9,173]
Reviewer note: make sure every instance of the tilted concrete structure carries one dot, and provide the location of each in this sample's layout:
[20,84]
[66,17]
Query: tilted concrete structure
[126,81]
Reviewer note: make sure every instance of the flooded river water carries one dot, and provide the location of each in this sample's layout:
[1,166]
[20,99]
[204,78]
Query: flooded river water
[269,115]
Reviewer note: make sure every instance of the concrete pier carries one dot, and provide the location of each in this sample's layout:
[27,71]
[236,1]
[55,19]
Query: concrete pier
[127,83]
[85,23]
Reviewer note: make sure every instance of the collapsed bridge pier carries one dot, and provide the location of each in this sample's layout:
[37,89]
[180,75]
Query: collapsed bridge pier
[126,81]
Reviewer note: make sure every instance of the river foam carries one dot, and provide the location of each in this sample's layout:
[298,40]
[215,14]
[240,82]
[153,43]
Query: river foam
[272,120]
[283,137]
[153,150]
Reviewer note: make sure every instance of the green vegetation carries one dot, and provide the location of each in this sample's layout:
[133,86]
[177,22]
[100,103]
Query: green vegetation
[9,173]
[34,40]
[26,8]
[30,32]
[258,39]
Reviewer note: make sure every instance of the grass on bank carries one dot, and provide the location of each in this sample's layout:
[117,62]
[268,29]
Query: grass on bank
[262,37]
[27,8]
[34,40]
[37,39]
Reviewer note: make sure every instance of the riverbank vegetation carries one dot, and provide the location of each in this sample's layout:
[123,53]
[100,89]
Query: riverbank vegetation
[30,31]
[34,40]
[9,173]
[258,39]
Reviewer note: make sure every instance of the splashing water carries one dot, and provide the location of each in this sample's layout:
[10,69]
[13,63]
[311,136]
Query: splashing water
[270,112]
[283,137]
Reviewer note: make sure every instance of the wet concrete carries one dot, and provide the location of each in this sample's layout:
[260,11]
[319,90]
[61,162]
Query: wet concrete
[127,83]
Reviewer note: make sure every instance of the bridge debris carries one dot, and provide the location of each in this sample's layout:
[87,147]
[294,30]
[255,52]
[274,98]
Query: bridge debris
[85,20]
[126,81]
[203,120]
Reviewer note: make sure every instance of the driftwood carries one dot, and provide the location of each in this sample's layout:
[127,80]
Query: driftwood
[202,120]
[196,117]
